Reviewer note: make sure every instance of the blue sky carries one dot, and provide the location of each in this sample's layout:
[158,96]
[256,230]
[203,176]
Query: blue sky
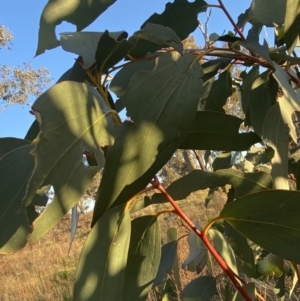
[22,18]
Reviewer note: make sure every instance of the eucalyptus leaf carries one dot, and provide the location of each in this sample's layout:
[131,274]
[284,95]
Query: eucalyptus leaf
[200,289]
[270,219]
[143,258]
[85,44]
[289,102]
[16,168]
[271,265]
[102,264]
[217,131]
[144,144]
[8,144]
[224,249]
[158,34]
[292,24]
[79,13]
[180,15]
[243,183]
[277,134]
[270,13]
[73,118]
[198,253]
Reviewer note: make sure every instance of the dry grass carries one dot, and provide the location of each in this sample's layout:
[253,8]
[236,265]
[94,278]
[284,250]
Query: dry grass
[44,271]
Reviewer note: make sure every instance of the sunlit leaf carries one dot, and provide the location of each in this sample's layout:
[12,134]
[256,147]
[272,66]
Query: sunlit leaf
[271,265]
[242,249]
[289,102]
[101,269]
[224,249]
[249,288]
[79,13]
[143,258]
[270,219]
[267,12]
[16,168]
[85,44]
[292,24]
[73,119]
[259,101]
[161,114]
[217,131]
[198,253]
[277,134]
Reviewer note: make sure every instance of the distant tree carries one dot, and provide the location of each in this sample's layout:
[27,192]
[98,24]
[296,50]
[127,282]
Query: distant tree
[18,83]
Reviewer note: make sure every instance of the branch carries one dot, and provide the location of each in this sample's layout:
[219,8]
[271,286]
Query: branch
[156,184]
[231,20]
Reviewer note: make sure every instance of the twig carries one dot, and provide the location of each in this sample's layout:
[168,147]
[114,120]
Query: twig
[231,20]
[156,184]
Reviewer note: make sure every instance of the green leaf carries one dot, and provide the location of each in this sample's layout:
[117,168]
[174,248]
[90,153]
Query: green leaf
[180,15]
[73,119]
[102,265]
[212,67]
[271,265]
[289,102]
[252,44]
[143,258]
[217,131]
[75,73]
[259,101]
[267,12]
[198,253]
[243,183]
[79,13]
[242,249]
[9,144]
[269,218]
[111,51]
[167,260]
[292,24]
[248,79]
[15,170]
[224,249]
[222,161]
[121,80]
[85,44]
[33,131]
[200,289]
[158,34]
[221,89]
[249,289]
[283,57]
[161,113]
[277,134]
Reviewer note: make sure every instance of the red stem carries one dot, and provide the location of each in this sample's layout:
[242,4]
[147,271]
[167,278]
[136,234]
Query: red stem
[156,184]
[231,20]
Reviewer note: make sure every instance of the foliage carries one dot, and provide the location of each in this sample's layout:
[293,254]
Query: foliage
[17,83]
[239,124]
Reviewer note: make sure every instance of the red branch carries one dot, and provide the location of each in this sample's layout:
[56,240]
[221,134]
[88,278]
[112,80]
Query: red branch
[156,184]
[231,20]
